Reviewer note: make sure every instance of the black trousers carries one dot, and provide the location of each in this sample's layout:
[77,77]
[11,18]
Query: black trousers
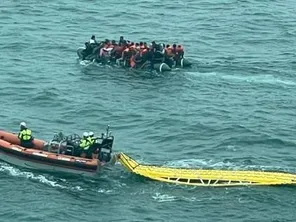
[27,143]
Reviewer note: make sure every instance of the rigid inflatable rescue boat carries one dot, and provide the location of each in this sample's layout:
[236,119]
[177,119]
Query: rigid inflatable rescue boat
[201,177]
[59,154]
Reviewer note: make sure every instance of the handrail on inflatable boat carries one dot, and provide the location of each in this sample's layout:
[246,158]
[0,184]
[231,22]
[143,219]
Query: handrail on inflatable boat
[52,142]
[59,148]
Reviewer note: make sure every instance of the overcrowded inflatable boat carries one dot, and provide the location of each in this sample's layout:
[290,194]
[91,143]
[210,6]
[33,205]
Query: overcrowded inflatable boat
[134,55]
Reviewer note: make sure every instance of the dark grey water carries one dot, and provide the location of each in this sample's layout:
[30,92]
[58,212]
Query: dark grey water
[234,109]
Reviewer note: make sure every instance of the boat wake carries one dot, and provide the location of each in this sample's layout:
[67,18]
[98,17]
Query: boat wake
[71,183]
[256,79]
[29,175]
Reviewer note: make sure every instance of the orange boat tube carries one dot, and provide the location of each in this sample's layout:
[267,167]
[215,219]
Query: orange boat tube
[39,158]
[13,139]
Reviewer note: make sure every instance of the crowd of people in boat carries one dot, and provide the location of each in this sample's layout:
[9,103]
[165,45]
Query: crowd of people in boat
[87,148]
[132,54]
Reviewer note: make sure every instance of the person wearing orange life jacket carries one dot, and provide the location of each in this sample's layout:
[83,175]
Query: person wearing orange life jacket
[132,60]
[168,51]
[125,56]
[169,56]
[142,45]
[124,53]
[145,45]
[138,57]
[174,49]
[25,136]
[143,54]
[180,52]
[117,51]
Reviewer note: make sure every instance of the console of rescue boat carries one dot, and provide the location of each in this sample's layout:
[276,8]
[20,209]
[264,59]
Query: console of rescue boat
[69,145]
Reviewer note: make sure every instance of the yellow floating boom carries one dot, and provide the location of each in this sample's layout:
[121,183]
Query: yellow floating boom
[212,178]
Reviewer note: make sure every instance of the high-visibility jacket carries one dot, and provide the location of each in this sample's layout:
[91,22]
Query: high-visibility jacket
[84,143]
[25,135]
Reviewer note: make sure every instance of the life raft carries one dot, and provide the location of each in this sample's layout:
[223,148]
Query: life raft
[203,177]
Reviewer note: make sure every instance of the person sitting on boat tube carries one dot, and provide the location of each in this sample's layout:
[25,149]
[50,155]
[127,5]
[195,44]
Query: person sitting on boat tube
[84,144]
[25,136]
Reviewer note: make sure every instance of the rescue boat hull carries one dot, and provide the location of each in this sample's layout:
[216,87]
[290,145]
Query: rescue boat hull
[39,158]
[42,166]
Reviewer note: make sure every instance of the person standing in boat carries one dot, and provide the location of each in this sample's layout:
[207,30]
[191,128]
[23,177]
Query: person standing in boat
[91,137]
[25,136]
[84,144]
[93,40]
[121,41]
[93,148]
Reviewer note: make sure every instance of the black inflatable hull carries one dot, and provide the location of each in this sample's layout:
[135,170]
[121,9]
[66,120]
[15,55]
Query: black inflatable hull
[162,67]
[183,63]
[79,53]
[159,67]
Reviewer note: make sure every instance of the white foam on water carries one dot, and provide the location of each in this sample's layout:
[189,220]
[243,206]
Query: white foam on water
[163,197]
[196,163]
[202,73]
[263,79]
[40,178]
[225,165]
[86,63]
[29,175]
[105,191]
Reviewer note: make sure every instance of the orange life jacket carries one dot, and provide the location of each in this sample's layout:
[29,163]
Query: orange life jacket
[180,49]
[169,51]
[143,52]
[124,52]
[174,50]
[132,61]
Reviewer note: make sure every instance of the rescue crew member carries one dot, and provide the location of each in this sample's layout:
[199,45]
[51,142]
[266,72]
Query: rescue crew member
[93,148]
[91,138]
[84,145]
[25,136]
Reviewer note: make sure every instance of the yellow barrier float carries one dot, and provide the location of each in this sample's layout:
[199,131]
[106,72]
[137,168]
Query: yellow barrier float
[211,178]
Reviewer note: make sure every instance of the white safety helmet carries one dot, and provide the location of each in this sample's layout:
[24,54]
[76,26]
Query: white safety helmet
[85,134]
[23,124]
[91,133]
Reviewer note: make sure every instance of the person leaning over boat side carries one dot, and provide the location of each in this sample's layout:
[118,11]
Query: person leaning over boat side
[84,144]
[25,136]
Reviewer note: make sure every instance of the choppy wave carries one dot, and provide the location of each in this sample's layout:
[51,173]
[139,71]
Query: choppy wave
[233,109]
